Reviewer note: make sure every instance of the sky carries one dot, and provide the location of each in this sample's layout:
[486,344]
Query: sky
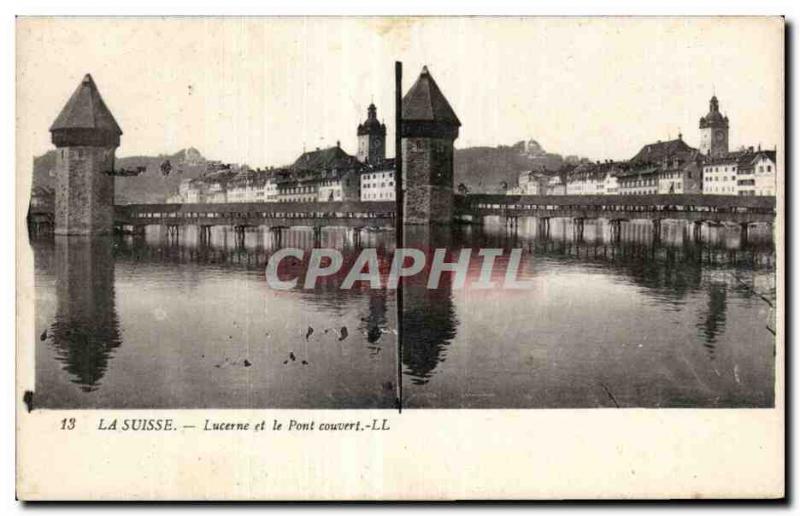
[260,90]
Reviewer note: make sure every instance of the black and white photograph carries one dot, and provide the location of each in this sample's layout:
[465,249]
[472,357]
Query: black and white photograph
[397,215]
[646,248]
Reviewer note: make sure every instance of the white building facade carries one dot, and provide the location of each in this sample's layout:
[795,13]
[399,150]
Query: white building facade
[719,177]
[747,173]
[378,185]
[765,173]
[642,181]
[611,184]
[593,179]
[556,186]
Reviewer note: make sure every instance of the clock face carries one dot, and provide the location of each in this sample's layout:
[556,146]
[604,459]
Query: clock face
[720,136]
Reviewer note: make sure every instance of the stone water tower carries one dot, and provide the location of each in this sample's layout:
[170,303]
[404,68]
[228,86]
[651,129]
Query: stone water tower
[429,128]
[86,136]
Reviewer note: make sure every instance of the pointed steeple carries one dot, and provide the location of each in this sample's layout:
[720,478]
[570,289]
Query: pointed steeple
[713,118]
[85,119]
[371,125]
[426,102]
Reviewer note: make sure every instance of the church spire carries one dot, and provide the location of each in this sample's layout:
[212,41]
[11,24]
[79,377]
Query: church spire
[714,130]
[371,138]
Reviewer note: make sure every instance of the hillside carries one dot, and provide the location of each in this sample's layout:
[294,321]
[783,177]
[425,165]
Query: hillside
[149,187]
[486,169]
[481,169]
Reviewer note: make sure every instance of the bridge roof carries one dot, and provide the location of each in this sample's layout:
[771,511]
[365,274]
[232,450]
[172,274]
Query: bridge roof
[426,102]
[718,201]
[85,109]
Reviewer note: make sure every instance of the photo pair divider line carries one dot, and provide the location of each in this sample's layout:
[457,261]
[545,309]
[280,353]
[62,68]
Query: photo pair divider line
[398,219]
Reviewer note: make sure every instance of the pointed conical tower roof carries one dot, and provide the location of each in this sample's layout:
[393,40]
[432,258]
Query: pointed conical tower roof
[425,101]
[85,119]
[426,111]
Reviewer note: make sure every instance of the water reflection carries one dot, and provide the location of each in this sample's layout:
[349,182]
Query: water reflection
[85,332]
[202,328]
[622,317]
[635,303]
[376,323]
[429,321]
[713,322]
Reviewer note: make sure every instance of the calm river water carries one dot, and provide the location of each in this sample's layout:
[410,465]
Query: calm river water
[151,322]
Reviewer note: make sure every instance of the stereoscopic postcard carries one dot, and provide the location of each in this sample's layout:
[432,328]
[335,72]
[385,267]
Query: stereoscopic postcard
[409,258]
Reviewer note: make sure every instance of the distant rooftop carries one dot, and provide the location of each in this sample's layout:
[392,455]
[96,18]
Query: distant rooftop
[332,157]
[742,157]
[655,152]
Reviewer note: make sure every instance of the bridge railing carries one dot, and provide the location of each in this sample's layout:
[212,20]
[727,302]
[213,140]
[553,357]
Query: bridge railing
[164,213]
[620,203]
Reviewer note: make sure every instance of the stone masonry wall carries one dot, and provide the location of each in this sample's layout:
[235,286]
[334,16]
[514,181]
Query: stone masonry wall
[428,180]
[84,203]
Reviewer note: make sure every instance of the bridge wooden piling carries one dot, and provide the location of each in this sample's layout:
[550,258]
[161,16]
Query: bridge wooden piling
[277,235]
[697,227]
[356,233]
[743,233]
[172,231]
[543,227]
[204,232]
[656,230]
[239,235]
[616,230]
[577,228]
[317,231]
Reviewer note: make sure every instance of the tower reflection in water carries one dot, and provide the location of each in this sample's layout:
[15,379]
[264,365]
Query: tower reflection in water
[429,319]
[202,328]
[85,332]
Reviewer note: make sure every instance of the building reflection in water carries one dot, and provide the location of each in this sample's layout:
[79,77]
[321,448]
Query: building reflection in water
[85,332]
[674,271]
[259,243]
[668,269]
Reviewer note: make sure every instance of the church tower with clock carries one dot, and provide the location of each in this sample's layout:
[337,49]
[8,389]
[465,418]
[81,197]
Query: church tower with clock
[371,138]
[714,131]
